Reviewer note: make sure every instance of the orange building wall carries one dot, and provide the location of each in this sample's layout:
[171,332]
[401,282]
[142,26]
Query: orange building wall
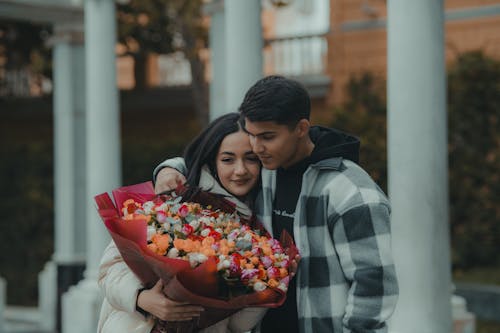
[353,52]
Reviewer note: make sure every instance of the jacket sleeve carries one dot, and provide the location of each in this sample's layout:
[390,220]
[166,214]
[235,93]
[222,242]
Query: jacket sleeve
[175,163]
[362,239]
[245,319]
[117,282]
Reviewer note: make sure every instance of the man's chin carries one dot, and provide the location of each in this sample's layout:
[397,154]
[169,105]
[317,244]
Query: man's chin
[270,166]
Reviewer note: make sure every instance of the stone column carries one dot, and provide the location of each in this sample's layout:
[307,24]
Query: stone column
[417,152]
[217,58]
[82,303]
[243,45]
[68,261]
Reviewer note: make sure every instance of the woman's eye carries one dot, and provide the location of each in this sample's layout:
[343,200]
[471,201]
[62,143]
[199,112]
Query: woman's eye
[253,158]
[226,160]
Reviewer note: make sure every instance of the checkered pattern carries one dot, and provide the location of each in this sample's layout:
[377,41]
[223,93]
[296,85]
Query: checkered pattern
[346,279]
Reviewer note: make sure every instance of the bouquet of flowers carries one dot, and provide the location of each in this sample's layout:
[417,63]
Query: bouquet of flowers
[198,245]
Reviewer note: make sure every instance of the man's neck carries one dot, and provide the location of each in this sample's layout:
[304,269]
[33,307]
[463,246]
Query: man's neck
[304,150]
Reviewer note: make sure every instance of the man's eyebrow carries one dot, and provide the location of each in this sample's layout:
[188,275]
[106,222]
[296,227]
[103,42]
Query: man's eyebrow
[260,134]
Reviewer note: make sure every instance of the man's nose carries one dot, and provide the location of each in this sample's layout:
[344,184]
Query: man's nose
[257,146]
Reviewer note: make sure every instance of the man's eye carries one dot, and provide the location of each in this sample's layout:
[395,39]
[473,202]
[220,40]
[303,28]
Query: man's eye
[267,137]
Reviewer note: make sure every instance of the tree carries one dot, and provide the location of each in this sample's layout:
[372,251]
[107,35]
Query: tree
[162,27]
[23,48]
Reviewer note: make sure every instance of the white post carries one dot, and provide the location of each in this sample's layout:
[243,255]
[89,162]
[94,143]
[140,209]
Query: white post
[243,49]
[417,151]
[81,304]
[217,58]
[67,263]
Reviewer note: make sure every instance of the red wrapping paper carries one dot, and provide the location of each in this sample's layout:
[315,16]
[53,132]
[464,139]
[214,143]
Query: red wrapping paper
[181,282]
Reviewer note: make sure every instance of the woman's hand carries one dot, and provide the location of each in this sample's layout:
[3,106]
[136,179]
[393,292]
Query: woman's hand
[156,303]
[168,179]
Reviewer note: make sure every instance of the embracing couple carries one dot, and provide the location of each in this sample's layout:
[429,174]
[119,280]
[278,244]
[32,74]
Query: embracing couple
[269,161]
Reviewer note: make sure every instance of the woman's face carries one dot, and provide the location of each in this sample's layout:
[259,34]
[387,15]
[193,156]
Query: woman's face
[238,168]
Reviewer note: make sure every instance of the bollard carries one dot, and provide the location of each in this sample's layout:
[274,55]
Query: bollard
[463,321]
[3,301]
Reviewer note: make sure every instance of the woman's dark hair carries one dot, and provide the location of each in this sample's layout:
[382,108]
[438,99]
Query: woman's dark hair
[204,148]
[278,99]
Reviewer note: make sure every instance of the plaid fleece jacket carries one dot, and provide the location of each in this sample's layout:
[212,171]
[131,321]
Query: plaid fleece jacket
[346,277]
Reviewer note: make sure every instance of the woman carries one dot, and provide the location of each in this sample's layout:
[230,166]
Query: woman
[219,160]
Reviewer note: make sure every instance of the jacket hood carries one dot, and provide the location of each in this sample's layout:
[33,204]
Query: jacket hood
[330,142]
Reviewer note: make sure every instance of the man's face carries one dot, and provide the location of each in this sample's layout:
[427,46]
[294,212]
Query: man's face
[275,144]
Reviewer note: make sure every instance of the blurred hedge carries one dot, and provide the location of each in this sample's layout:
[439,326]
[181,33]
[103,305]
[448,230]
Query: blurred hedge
[26,175]
[474,160]
[474,150]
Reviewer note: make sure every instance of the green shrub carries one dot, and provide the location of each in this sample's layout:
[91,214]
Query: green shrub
[26,231]
[474,150]
[364,114]
[474,160]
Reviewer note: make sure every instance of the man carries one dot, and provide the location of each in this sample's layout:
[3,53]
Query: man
[339,218]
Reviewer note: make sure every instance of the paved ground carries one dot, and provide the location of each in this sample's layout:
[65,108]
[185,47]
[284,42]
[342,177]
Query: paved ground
[21,320]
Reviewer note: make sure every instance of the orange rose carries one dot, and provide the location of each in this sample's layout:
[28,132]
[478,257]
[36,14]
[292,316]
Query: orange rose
[273,283]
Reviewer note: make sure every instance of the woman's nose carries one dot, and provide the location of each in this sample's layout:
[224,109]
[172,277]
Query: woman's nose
[240,168]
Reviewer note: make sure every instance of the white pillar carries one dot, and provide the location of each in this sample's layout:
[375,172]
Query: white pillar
[68,260]
[217,58]
[81,304]
[417,151]
[243,49]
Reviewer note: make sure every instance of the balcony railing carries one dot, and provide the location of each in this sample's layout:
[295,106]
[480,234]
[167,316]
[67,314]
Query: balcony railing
[297,56]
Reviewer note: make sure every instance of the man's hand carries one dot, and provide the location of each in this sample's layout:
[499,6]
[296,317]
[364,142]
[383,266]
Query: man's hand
[168,179]
[156,303]
[294,265]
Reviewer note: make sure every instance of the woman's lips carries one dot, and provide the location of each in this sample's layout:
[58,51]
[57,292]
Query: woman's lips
[240,181]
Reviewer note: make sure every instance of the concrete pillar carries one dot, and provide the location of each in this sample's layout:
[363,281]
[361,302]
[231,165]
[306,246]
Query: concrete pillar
[217,58]
[81,304]
[68,261]
[417,152]
[243,45]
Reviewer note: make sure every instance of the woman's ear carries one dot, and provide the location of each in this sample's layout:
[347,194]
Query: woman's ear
[302,128]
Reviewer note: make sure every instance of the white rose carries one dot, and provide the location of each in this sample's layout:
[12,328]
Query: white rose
[150,232]
[196,258]
[148,207]
[173,253]
[259,286]
[195,224]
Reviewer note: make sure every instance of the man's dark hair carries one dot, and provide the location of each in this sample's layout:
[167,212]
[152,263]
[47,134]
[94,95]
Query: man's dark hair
[278,99]
[204,148]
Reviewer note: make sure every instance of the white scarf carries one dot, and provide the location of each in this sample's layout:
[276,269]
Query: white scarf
[209,183]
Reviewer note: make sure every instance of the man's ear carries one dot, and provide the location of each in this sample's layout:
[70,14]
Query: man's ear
[302,127]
